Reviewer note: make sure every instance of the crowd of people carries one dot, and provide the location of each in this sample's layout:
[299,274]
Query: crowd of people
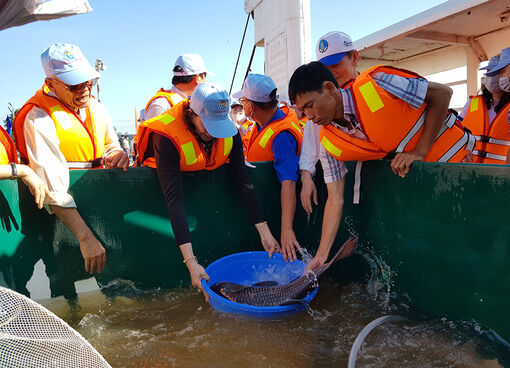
[335,114]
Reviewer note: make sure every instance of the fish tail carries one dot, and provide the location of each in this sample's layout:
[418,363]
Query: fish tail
[345,250]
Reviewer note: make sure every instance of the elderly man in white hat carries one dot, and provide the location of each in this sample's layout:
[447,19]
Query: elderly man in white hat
[189,70]
[61,127]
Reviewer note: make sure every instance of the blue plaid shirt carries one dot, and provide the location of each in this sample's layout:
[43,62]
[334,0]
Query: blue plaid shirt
[409,90]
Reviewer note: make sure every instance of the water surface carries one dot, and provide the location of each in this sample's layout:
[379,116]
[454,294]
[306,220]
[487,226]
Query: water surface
[131,327]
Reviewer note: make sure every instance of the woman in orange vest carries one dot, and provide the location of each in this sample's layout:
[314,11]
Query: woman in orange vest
[11,169]
[192,136]
[486,116]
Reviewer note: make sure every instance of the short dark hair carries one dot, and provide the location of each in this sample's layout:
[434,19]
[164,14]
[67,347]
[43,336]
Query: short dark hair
[270,104]
[184,79]
[309,78]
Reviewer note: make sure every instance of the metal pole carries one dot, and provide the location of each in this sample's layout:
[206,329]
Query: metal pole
[239,55]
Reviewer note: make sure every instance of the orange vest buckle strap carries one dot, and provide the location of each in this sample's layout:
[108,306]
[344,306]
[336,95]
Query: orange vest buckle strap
[98,162]
[414,130]
[483,154]
[466,142]
[485,139]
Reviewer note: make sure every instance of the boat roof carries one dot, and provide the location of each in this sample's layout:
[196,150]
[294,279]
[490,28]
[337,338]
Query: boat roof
[440,38]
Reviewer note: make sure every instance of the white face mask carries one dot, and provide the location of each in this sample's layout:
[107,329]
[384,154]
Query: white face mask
[492,83]
[504,84]
[239,117]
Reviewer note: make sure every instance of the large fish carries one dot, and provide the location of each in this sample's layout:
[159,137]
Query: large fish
[269,294]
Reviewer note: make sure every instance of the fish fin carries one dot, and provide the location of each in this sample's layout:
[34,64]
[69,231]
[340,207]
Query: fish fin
[265,283]
[293,301]
[230,287]
[345,250]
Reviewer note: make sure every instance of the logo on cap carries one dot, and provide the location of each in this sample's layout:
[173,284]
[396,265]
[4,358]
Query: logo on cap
[223,105]
[69,54]
[347,43]
[323,46]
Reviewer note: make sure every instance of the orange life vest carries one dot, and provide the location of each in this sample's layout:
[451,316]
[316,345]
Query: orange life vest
[392,125]
[172,98]
[492,139]
[259,143]
[7,148]
[248,126]
[171,124]
[81,142]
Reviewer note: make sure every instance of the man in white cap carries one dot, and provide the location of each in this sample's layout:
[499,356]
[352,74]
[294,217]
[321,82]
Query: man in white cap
[189,70]
[198,134]
[275,137]
[61,127]
[336,51]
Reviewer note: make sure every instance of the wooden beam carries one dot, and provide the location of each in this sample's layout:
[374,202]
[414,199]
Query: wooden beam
[448,38]
[478,49]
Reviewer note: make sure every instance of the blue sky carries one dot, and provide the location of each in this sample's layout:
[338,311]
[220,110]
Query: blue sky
[140,40]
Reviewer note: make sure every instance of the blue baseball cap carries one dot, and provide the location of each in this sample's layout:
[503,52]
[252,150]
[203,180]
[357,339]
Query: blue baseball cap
[492,63]
[504,60]
[212,103]
[67,63]
[258,88]
[332,47]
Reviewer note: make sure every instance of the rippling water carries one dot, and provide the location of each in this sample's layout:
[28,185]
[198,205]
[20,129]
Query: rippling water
[176,328]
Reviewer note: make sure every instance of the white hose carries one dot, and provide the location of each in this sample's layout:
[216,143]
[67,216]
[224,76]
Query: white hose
[364,333]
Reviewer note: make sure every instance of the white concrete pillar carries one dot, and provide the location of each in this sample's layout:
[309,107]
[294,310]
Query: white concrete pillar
[282,27]
[472,64]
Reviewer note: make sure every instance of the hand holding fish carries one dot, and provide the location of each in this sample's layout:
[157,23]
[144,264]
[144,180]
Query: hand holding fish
[267,239]
[197,273]
[316,262]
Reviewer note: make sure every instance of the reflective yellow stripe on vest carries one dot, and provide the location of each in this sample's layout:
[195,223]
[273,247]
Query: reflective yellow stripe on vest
[330,147]
[371,96]
[61,116]
[189,153]
[228,146]
[166,119]
[473,106]
[265,138]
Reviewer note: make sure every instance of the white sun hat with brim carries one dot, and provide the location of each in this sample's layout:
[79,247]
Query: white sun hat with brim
[190,64]
[504,60]
[332,47]
[258,88]
[492,63]
[212,103]
[67,63]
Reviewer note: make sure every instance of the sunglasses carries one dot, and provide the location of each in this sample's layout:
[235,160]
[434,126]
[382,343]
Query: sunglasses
[88,85]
